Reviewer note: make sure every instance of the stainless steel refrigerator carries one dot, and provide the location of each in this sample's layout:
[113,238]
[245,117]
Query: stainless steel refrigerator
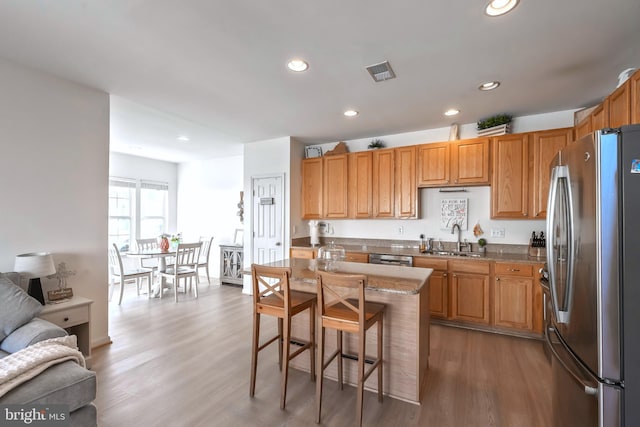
[593,256]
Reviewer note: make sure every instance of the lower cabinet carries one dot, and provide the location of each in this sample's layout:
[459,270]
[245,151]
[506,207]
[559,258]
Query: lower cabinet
[470,291]
[231,262]
[438,285]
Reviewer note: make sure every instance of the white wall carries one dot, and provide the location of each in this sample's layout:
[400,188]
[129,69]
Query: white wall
[267,158]
[134,167]
[53,179]
[516,232]
[208,197]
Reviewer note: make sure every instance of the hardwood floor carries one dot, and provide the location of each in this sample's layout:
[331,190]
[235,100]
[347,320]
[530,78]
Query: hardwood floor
[187,364]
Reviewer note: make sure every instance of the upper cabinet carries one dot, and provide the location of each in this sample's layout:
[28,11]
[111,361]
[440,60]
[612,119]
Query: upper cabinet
[335,183]
[620,106]
[312,188]
[600,116]
[510,180]
[583,128]
[544,147]
[464,162]
[635,97]
[360,189]
[406,188]
[384,183]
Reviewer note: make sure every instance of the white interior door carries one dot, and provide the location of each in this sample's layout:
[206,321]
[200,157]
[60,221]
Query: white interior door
[267,220]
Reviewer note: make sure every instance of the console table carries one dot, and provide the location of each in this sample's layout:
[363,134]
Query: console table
[231,262]
[74,316]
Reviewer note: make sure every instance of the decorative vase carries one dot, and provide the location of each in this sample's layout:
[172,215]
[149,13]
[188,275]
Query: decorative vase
[164,244]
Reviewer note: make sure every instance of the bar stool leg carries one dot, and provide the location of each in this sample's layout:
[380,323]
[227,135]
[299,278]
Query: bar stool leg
[280,343]
[320,370]
[339,346]
[312,340]
[286,349]
[380,348]
[361,355]
[254,352]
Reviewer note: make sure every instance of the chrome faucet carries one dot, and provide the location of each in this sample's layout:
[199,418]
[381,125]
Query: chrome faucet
[453,230]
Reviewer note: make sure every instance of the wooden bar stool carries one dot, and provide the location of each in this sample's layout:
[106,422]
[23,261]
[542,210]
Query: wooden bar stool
[272,296]
[353,315]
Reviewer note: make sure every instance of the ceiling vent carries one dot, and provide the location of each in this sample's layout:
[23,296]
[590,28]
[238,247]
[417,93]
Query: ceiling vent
[381,72]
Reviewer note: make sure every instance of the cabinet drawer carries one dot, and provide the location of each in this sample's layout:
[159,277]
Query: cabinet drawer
[469,267]
[511,269]
[67,318]
[302,253]
[356,257]
[425,262]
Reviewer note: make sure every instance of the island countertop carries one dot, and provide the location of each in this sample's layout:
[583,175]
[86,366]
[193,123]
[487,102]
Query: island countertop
[382,278]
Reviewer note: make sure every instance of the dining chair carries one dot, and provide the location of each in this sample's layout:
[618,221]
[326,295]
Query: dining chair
[273,297]
[146,245]
[184,267]
[118,271]
[340,310]
[203,261]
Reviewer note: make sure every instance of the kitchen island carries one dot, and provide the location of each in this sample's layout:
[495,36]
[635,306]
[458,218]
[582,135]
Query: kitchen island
[406,324]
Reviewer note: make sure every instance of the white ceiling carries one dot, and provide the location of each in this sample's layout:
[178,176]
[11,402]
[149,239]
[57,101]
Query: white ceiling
[215,71]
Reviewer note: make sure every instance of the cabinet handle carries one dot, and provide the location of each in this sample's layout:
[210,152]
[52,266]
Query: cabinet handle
[66,319]
[444,275]
[455,181]
[497,279]
[514,269]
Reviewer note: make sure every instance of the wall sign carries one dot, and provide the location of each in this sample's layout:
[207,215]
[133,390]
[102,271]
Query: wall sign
[453,211]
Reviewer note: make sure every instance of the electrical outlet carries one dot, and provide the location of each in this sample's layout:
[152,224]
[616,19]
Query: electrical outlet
[401,230]
[498,232]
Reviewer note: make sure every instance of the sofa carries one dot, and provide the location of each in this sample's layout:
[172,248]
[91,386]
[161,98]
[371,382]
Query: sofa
[66,383]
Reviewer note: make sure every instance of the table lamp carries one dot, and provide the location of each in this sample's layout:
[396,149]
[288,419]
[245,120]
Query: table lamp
[33,266]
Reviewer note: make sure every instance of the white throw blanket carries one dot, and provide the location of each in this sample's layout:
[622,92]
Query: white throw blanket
[25,364]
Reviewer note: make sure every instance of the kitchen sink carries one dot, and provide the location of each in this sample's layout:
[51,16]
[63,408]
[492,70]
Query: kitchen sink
[455,253]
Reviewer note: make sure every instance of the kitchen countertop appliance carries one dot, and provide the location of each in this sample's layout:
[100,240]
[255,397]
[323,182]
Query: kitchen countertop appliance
[593,256]
[403,260]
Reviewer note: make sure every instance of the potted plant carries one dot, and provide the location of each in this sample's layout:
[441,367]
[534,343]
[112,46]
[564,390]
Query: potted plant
[482,245]
[376,143]
[495,125]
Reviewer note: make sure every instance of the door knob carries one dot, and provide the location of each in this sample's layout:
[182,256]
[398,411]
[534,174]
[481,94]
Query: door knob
[278,243]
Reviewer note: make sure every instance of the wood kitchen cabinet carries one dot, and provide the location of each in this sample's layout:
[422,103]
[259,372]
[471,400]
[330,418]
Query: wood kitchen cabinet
[635,97]
[304,253]
[384,183]
[464,162]
[335,186]
[600,116]
[620,106]
[312,188]
[438,285]
[544,147]
[510,180]
[469,283]
[583,128]
[513,296]
[406,191]
[360,185]
[361,257]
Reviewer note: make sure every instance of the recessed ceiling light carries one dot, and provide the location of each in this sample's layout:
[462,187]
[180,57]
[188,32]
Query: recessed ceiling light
[500,7]
[183,138]
[451,112]
[351,113]
[297,65]
[489,85]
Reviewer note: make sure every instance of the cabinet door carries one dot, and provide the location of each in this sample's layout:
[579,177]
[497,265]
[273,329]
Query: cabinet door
[361,257]
[583,128]
[304,253]
[470,297]
[433,164]
[406,188]
[600,116]
[335,183]
[360,185]
[383,183]
[635,97]
[312,188]
[470,162]
[438,294]
[510,182]
[513,304]
[620,106]
[545,146]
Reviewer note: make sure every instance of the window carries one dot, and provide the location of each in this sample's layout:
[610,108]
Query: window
[121,211]
[136,210]
[153,209]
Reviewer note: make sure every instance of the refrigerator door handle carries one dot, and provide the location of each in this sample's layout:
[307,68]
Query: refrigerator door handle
[558,173]
[592,391]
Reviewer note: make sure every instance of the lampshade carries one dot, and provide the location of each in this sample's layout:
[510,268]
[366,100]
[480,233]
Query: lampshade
[35,265]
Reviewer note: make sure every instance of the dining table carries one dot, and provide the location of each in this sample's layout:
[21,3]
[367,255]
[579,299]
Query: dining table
[162,256]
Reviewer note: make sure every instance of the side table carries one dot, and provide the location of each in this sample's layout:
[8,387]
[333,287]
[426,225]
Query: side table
[74,316]
[231,262]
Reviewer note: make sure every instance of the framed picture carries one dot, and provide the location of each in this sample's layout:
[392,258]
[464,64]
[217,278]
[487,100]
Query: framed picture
[312,151]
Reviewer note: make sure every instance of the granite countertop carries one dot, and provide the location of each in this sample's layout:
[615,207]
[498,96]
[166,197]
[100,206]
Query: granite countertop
[382,278]
[413,251]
